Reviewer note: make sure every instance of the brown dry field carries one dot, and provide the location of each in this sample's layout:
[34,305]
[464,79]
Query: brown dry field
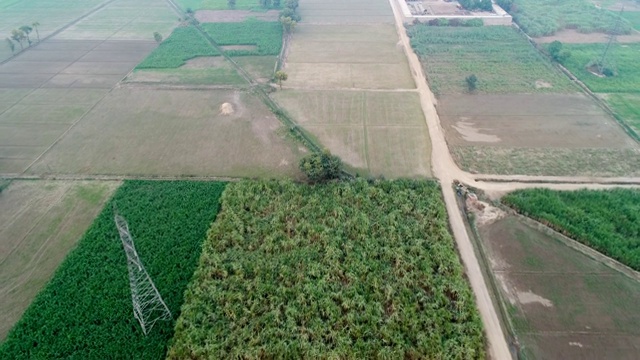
[541,134]
[562,304]
[347,56]
[378,132]
[45,90]
[40,221]
[336,12]
[147,131]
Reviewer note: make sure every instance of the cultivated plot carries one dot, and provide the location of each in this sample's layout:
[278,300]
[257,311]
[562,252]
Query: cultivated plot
[382,133]
[41,221]
[47,89]
[347,56]
[502,59]
[124,20]
[346,12]
[52,16]
[537,135]
[561,303]
[150,131]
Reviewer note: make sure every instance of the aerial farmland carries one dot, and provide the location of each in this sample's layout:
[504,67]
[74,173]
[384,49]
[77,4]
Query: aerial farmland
[207,179]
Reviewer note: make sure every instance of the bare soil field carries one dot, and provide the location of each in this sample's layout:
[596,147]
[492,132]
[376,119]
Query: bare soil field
[52,86]
[40,221]
[382,133]
[346,12]
[561,303]
[124,20]
[206,16]
[150,131]
[541,134]
[347,56]
[52,16]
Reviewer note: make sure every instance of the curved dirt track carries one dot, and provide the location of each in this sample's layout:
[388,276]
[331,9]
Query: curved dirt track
[446,170]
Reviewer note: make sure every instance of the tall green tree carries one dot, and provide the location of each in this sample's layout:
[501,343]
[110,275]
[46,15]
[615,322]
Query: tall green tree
[35,26]
[157,37]
[11,45]
[27,29]
[231,4]
[280,77]
[288,24]
[321,167]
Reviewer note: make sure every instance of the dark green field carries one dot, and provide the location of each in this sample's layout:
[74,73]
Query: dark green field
[85,311]
[352,270]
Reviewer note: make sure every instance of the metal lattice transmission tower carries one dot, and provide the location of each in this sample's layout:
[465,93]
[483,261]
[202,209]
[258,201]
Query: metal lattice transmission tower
[612,39]
[148,306]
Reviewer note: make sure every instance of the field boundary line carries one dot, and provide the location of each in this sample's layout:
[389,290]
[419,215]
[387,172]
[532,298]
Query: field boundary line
[102,177]
[55,33]
[578,246]
[585,89]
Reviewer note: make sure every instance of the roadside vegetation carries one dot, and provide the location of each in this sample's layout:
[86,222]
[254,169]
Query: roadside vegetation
[255,5]
[608,221]
[185,43]
[546,17]
[341,270]
[502,60]
[85,311]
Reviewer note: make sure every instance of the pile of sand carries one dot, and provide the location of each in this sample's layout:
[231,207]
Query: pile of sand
[226,109]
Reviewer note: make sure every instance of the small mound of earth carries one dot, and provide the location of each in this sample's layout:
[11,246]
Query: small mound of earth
[485,214]
[541,84]
[226,109]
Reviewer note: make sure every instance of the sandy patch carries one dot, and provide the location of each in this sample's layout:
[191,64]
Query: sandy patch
[541,84]
[485,214]
[205,62]
[471,134]
[572,343]
[226,109]
[528,297]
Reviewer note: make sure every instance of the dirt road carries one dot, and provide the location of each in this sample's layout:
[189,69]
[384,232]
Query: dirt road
[446,170]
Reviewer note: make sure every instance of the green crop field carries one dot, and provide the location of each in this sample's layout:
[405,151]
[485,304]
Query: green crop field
[627,106]
[265,36]
[353,270]
[621,58]
[501,58]
[608,221]
[219,4]
[85,311]
[633,17]
[184,43]
[546,17]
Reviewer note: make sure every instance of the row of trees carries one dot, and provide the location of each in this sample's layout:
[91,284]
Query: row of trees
[21,35]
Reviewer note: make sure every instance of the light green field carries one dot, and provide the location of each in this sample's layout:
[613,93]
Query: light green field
[377,133]
[545,17]
[125,20]
[151,131]
[503,61]
[41,221]
[623,92]
[628,107]
[633,17]
[346,12]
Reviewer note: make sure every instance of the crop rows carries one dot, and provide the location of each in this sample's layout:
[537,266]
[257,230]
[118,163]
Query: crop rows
[608,221]
[85,311]
[185,43]
[546,17]
[502,60]
[266,36]
[354,270]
